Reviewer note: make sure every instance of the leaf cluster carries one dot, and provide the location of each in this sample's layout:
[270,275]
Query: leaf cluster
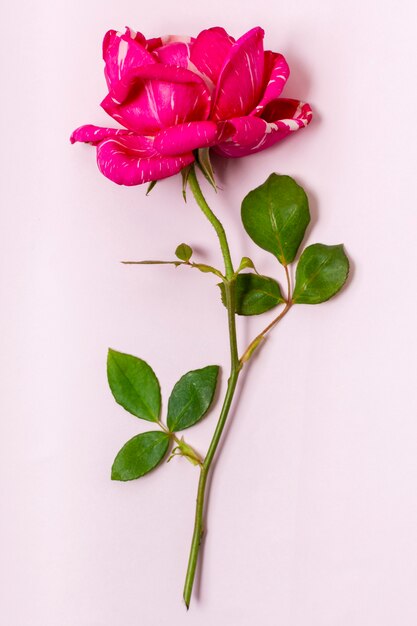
[136,388]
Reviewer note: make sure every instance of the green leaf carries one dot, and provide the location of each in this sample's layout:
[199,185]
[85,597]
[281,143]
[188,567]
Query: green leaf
[189,453]
[184,252]
[191,397]
[254,294]
[204,163]
[150,187]
[251,349]
[321,273]
[140,455]
[134,385]
[185,172]
[276,215]
[246,263]
[207,269]
[185,450]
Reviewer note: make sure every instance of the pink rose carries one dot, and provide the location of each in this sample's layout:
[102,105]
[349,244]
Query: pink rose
[174,95]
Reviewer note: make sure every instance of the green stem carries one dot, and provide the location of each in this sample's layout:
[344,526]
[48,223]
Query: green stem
[259,338]
[215,222]
[229,281]
[204,472]
[229,284]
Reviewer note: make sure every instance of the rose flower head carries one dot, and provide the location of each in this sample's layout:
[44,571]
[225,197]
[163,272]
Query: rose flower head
[174,95]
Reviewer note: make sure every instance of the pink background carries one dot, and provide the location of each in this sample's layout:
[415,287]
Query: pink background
[313,507]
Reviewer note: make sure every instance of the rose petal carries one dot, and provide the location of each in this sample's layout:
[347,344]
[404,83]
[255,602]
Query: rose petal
[252,134]
[157,96]
[122,89]
[96,134]
[152,44]
[132,160]
[167,39]
[276,75]
[240,82]
[122,52]
[190,136]
[175,53]
[209,51]
[288,110]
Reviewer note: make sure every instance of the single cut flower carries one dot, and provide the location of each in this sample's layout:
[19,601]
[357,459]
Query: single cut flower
[174,95]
